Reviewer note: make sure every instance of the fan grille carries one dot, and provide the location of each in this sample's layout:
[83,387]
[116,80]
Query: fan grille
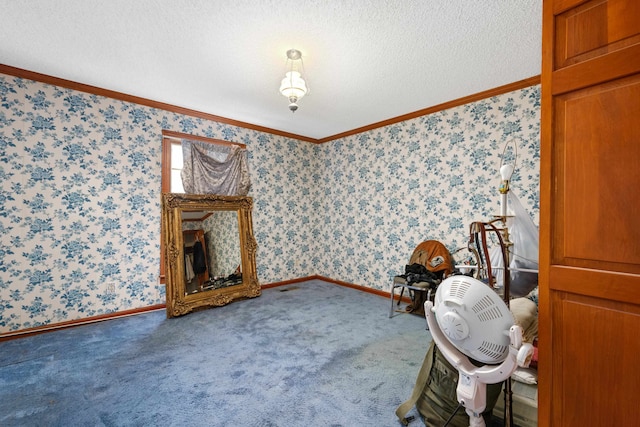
[492,350]
[486,309]
[459,288]
[485,315]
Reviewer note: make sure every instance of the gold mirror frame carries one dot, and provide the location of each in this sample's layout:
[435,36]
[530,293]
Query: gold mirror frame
[173,205]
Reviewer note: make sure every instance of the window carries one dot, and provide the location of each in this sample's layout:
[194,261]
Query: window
[171,168]
[175,183]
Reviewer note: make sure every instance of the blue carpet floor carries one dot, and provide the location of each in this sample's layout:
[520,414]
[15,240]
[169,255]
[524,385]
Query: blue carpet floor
[309,354]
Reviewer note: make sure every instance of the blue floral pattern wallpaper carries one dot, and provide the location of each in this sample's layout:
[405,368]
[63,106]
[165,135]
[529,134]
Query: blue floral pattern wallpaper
[223,243]
[382,192]
[80,195]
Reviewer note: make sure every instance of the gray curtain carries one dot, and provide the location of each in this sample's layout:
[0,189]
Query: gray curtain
[214,169]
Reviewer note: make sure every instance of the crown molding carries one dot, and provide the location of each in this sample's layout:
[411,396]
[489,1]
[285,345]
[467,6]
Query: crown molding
[43,78]
[521,84]
[69,84]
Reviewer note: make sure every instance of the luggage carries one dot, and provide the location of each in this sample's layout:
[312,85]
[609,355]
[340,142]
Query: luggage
[434,394]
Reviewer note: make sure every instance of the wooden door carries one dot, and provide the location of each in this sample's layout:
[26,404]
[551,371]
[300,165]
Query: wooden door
[590,214]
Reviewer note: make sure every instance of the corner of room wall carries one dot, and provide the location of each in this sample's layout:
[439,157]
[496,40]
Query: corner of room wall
[80,195]
[388,189]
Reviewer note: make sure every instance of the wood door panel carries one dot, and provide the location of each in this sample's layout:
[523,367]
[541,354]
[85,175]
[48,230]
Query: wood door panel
[595,28]
[597,162]
[598,341]
[560,6]
[613,65]
[596,283]
[589,311]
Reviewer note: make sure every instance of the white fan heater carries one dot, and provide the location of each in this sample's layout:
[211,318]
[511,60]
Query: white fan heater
[468,319]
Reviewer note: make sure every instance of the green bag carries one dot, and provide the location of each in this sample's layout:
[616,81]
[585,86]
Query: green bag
[434,394]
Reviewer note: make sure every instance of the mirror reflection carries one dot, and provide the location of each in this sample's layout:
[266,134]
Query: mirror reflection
[211,250]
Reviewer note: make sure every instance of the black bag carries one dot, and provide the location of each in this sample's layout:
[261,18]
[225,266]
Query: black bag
[434,394]
[418,273]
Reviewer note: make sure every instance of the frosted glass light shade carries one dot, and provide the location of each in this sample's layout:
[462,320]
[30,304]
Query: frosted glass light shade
[293,85]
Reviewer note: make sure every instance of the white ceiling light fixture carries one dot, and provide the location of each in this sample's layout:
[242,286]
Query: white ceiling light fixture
[293,85]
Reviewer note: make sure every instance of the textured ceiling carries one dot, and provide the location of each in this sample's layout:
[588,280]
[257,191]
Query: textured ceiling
[366,60]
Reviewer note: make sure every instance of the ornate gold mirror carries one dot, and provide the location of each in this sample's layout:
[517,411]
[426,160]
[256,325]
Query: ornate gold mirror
[210,251]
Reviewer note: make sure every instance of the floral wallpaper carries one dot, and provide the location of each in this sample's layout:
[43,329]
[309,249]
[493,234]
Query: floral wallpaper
[382,192]
[223,244]
[221,237]
[80,195]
